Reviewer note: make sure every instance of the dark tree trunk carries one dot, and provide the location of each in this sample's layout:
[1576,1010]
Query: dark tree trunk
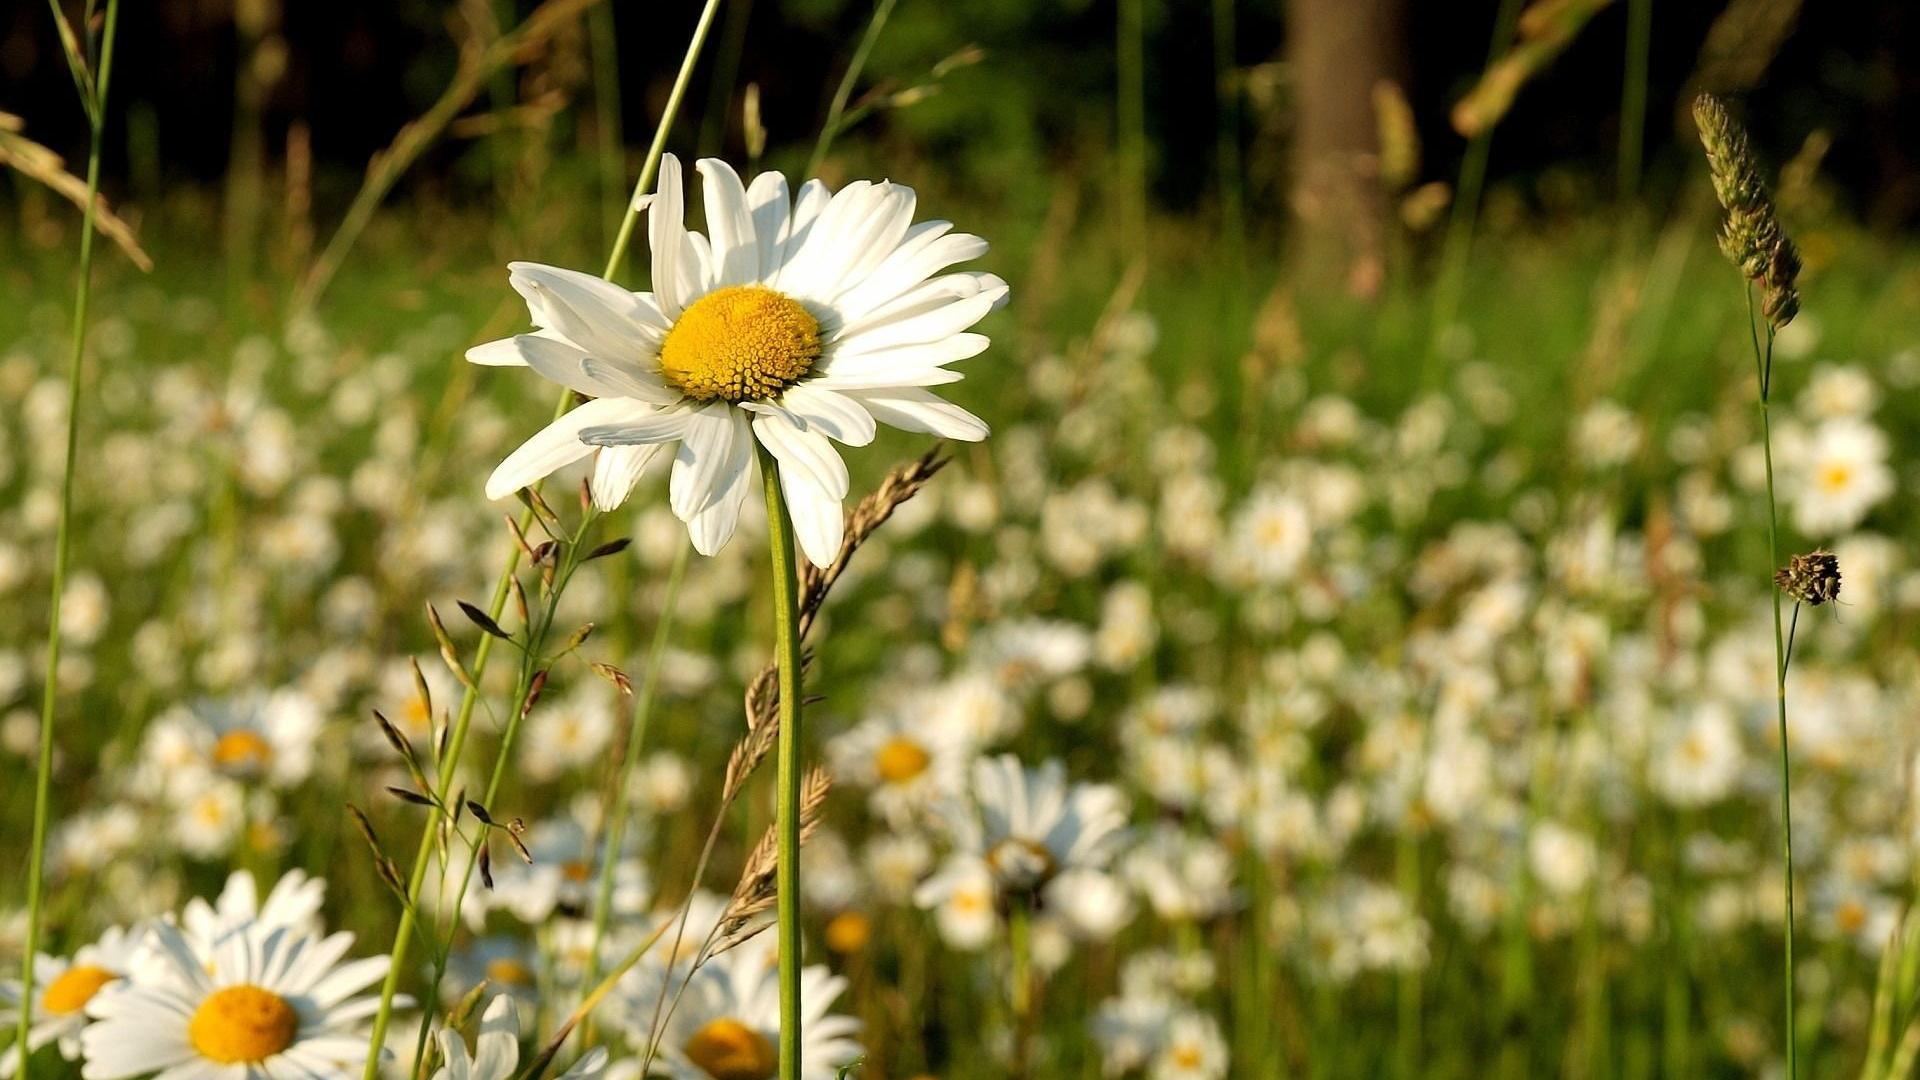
[1338,50]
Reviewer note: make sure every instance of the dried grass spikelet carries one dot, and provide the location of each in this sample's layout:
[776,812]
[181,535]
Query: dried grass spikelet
[1399,137]
[756,892]
[1751,238]
[1812,579]
[762,702]
[1545,29]
[40,164]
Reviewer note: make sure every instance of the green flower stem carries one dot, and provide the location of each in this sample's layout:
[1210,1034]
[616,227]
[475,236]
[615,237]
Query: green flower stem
[403,935]
[63,538]
[786,635]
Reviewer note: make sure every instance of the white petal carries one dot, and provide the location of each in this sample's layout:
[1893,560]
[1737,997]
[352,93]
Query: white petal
[883,236]
[616,471]
[598,316]
[856,233]
[559,362]
[502,353]
[830,413]
[643,428]
[814,481]
[923,298]
[910,264]
[910,408]
[713,524]
[629,380]
[730,226]
[771,207]
[708,457]
[666,236]
[807,208]
[558,444]
[937,324]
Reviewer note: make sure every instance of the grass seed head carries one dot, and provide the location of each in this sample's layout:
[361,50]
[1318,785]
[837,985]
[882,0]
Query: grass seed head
[1812,579]
[1751,237]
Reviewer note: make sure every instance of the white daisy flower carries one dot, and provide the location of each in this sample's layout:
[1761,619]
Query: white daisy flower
[64,987]
[1843,474]
[496,1050]
[254,735]
[726,1026]
[1194,1050]
[293,903]
[273,1002]
[793,322]
[1025,832]
[906,764]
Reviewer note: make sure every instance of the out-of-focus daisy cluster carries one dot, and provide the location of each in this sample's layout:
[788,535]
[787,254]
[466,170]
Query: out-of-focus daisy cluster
[1237,726]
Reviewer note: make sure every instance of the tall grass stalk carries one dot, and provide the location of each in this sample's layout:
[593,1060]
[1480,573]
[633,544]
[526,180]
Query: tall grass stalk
[786,636]
[1130,91]
[609,138]
[532,664]
[844,92]
[1633,98]
[1226,96]
[403,935]
[1763,374]
[1462,219]
[94,99]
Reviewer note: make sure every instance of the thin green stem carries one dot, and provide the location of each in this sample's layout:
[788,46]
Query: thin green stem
[847,82]
[1130,91]
[614,815]
[606,108]
[1633,97]
[1462,220]
[1763,360]
[1020,990]
[403,934]
[659,145]
[1226,152]
[786,636]
[63,538]
[531,661]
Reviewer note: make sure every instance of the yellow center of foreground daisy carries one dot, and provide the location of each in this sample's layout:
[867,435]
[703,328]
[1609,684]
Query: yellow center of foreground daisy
[740,343]
[242,1024]
[730,1050]
[74,988]
[242,749]
[900,760]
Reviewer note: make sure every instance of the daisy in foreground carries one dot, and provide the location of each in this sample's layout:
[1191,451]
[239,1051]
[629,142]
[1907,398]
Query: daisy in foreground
[262,1002]
[726,1026]
[496,1050]
[793,322]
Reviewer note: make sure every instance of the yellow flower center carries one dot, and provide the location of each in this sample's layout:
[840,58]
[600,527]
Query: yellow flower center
[506,971]
[743,342]
[242,1024]
[242,751]
[900,760]
[848,932]
[74,988]
[1836,477]
[730,1050]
